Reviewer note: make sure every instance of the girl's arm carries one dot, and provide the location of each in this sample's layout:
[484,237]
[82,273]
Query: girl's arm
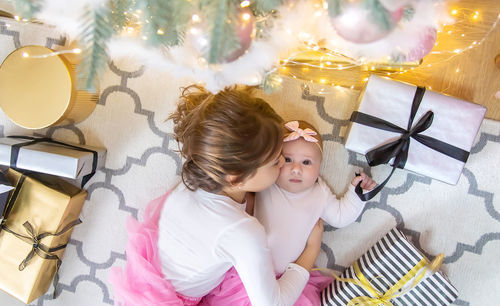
[313,246]
[245,245]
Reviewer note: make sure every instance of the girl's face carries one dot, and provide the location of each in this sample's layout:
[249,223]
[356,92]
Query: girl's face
[302,165]
[265,175]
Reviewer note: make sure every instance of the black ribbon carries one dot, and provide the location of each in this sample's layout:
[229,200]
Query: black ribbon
[398,149]
[32,140]
[10,202]
[4,196]
[38,248]
[41,249]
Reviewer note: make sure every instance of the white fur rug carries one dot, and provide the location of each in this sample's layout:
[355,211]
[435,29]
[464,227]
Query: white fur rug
[461,221]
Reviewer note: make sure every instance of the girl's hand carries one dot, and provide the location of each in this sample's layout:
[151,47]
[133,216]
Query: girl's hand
[367,183]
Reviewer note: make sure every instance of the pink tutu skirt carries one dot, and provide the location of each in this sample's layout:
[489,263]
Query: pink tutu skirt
[232,292]
[141,282]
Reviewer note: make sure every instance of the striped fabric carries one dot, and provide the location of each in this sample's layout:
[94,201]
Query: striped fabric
[384,264]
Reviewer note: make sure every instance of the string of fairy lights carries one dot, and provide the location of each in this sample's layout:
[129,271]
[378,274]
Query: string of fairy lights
[332,60]
[325,62]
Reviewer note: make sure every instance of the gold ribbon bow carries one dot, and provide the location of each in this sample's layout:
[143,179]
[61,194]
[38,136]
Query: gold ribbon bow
[377,297]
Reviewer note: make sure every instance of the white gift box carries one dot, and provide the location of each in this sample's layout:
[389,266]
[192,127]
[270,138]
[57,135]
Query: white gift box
[456,122]
[50,158]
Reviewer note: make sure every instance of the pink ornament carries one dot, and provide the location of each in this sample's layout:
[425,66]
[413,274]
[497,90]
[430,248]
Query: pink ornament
[198,36]
[356,23]
[245,30]
[393,5]
[424,46]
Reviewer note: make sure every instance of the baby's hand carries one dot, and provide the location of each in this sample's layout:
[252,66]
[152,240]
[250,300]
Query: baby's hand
[367,183]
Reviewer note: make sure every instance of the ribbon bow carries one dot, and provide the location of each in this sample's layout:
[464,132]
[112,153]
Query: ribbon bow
[37,248]
[398,149]
[297,132]
[41,249]
[376,297]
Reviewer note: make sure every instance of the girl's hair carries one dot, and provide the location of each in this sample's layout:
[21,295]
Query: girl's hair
[304,125]
[231,132]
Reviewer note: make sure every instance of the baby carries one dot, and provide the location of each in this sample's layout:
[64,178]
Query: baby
[290,208]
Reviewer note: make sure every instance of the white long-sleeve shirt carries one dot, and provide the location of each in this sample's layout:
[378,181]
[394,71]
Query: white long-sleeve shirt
[288,218]
[202,235]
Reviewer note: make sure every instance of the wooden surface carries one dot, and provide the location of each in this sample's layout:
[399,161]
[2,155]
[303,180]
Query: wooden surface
[478,78]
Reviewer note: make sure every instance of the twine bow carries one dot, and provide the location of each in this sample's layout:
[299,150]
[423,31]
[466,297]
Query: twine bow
[297,132]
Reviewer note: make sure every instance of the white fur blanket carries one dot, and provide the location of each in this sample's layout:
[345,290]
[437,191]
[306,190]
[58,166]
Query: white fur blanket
[461,221]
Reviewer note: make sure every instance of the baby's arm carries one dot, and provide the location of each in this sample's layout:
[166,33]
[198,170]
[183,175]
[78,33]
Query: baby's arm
[342,212]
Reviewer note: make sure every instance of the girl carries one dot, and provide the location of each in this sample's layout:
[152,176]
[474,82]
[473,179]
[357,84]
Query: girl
[289,209]
[231,143]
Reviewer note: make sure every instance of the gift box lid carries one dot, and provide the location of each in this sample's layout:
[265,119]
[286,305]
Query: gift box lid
[52,158]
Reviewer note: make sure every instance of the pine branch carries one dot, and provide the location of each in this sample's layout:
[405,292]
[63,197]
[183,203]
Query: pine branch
[164,22]
[271,82]
[97,31]
[408,12]
[120,14]
[265,6]
[264,22]
[379,14]
[223,39]
[334,7]
[27,8]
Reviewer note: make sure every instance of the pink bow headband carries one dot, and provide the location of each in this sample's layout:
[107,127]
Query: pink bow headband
[297,132]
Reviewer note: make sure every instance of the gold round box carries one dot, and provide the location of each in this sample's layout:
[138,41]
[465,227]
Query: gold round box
[38,90]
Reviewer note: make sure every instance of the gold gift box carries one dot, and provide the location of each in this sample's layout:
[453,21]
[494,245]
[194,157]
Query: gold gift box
[38,89]
[49,204]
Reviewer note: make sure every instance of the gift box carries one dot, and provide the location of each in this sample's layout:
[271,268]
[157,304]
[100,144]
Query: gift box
[5,187]
[38,221]
[392,272]
[52,157]
[37,94]
[413,128]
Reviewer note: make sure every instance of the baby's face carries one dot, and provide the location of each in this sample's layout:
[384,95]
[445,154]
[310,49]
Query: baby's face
[302,164]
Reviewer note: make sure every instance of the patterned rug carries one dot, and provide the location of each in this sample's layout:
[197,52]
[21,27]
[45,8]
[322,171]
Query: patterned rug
[461,221]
